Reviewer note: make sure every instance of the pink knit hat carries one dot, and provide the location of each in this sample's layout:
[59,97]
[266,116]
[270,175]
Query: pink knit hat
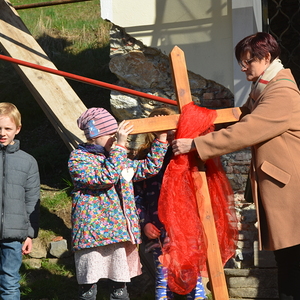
[97,121]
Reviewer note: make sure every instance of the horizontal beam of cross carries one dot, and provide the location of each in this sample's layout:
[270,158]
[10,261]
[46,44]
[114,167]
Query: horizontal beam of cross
[225,115]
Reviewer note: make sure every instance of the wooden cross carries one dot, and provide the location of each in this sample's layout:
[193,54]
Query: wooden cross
[182,87]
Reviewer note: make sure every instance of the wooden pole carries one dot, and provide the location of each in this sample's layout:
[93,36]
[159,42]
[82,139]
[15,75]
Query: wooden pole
[49,3]
[54,95]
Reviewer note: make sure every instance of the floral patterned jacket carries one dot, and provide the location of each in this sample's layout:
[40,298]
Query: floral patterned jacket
[103,208]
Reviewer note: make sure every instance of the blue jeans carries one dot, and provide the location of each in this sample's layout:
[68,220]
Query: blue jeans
[10,263]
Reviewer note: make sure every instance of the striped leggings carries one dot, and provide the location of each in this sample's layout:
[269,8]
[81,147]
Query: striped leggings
[162,291]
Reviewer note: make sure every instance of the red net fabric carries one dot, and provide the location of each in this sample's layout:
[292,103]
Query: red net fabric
[185,254]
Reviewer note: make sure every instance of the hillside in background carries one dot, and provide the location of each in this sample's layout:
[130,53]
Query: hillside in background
[76,40]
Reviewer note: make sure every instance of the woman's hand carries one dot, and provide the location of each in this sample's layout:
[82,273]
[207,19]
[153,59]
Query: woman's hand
[122,133]
[181,146]
[151,231]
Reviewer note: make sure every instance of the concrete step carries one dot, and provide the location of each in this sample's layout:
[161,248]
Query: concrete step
[253,284]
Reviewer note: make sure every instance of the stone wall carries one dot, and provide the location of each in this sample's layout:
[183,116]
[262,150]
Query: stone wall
[236,166]
[147,69]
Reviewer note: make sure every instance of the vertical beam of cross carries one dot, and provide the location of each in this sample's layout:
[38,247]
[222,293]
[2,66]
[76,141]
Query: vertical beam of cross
[214,261]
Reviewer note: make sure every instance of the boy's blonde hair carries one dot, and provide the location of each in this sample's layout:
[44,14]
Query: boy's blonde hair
[10,110]
[149,138]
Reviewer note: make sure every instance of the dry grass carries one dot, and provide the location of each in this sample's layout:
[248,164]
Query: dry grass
[78,23]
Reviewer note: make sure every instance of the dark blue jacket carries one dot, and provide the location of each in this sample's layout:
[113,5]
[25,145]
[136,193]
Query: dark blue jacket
[19,193]
[147,194]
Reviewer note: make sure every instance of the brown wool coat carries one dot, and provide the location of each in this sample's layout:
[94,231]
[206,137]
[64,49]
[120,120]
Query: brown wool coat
[272,129]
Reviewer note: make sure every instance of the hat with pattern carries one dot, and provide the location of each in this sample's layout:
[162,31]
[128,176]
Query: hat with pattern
[97,121]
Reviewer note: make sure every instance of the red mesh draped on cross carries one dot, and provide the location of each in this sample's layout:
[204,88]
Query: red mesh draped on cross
[185,255]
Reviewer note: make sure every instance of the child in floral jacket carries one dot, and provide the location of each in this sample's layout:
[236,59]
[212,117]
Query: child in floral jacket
[105,224]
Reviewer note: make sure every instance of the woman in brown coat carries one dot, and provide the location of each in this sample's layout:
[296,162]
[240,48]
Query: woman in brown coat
[272,129]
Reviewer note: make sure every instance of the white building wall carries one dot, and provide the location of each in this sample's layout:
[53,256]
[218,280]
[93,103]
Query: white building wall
[246,19]
[205,30]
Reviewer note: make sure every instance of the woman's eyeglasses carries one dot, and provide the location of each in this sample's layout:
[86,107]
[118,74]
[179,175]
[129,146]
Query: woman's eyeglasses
[246,62]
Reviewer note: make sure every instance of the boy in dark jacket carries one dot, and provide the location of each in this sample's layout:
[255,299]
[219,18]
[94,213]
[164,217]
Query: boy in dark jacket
[19,202]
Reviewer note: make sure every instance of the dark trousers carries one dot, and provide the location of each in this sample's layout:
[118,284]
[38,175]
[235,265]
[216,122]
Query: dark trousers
[288,264]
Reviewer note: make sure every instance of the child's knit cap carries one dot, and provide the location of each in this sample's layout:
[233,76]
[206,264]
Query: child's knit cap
[97,121]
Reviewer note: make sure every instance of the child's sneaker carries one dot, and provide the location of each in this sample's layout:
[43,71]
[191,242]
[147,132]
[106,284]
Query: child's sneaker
[119,293]
[87,291]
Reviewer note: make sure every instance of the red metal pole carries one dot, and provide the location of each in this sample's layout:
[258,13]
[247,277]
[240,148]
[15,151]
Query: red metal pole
[88,80]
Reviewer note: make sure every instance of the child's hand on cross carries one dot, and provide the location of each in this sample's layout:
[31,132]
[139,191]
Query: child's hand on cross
[122,133]
[160,135]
